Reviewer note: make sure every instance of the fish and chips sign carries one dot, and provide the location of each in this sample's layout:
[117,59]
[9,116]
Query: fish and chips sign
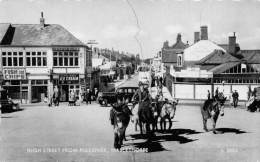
[69,79]
[14,74]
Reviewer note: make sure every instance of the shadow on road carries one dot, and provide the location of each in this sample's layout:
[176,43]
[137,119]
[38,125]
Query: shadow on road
[229,130]
[11,111]
[154,144]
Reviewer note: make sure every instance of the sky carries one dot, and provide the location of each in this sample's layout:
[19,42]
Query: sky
[141,26]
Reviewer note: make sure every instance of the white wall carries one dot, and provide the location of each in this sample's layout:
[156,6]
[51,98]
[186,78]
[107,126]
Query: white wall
[184,91]
[201,91]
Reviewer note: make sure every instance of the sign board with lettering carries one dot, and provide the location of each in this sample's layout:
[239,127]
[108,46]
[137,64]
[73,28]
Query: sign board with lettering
[69,79]
[65,49]
[14,74]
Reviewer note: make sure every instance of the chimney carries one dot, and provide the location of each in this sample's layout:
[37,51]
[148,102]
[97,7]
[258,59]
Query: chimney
[196,36]
[232,44]
[178,37]
[204,32]
[42,20]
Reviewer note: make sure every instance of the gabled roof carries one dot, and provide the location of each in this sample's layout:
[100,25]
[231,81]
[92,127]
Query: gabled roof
[3,30]
[200,50]
[218,57]
[36,35]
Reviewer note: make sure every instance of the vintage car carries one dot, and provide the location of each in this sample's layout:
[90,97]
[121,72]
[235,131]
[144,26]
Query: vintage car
[106,98]
[6,104]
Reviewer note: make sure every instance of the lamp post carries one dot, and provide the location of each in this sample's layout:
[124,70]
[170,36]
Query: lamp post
[90,42]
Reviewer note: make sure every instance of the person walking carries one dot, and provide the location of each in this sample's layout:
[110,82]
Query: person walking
[208,95]
[216,93]
[88,97]
[235,98]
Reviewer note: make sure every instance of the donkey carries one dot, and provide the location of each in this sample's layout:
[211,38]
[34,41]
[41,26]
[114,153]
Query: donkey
[211,109]
[167,112]
[120,117]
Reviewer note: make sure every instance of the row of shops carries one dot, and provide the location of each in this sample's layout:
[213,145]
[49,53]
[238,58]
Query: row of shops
[36,57]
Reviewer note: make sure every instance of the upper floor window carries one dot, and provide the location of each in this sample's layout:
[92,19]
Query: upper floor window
[36,59]
[179,60]
[65,58]
[12,58]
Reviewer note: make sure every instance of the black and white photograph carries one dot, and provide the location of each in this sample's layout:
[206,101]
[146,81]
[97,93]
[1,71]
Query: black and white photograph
[129,80]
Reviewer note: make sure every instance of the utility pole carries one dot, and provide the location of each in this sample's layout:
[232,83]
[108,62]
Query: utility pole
[89,68]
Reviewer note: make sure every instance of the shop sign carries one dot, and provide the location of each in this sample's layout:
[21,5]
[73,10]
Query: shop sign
[69,79]
[14,74]
[65,49]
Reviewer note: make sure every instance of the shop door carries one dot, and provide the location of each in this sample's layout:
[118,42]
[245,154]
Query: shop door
[64,93]
[75,88]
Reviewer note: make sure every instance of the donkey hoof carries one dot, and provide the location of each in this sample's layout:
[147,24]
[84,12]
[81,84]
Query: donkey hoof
[214,132]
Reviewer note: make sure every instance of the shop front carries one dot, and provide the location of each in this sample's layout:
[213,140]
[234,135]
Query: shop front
[16,83]
[66,84]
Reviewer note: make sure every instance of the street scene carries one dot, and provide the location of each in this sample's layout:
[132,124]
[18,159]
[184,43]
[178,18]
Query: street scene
[129,80]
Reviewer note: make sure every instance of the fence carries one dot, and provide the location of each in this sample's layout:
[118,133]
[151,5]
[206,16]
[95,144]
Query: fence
[200,91]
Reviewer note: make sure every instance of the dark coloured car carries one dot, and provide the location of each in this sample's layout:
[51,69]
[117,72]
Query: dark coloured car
[106,98]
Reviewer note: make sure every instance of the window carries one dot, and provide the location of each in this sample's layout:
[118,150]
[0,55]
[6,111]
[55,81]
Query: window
[179,61]
[65,58]
[12,58]
[37,59]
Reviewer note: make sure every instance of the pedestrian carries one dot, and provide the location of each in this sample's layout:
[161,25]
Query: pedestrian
[88,97]
[56,96]
[235,96]
[96,93]
[71,98]
[208,95]
[249,93]
[216,94]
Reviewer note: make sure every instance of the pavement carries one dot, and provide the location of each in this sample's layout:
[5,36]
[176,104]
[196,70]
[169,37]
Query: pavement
[83,133]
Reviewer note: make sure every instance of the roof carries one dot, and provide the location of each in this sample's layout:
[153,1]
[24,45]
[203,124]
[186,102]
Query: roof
[218,57]
[170,55]
[3,29]
[200,50]
[223,67]
[250,56]
[179,45]
[35,35]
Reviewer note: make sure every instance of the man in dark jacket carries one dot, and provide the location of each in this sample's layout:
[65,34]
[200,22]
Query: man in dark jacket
[235,96]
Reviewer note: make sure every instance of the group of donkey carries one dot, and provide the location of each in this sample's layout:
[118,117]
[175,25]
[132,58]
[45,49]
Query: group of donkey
[162,110]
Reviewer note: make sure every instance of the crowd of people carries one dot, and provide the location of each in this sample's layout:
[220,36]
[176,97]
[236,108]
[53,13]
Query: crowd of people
[73,97]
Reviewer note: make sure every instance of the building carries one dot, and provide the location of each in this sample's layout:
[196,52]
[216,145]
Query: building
[36,57]
[208,66]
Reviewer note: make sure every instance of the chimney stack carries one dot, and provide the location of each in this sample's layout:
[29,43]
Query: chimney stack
[232,44]
[42,20]
[196,36]
[204,32]
[178,37]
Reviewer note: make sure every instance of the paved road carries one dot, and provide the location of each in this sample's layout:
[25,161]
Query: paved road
[40,133]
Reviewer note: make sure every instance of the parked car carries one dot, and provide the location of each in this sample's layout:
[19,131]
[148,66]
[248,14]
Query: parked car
[6,104]
[106,98]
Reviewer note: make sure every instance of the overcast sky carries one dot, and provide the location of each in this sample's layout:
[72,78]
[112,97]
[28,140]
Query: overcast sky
[112,23]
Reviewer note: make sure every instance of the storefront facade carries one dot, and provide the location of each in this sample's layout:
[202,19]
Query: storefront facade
[30,73]
[36,57]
